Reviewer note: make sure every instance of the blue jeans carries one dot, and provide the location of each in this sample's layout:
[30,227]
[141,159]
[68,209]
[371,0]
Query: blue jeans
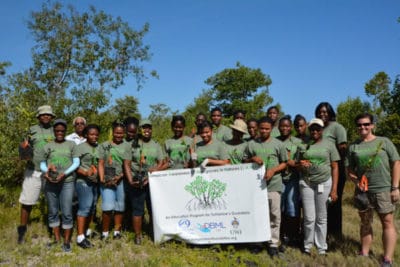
[59,197]
[137,197]
[87,197]
[113,198]
[290,204]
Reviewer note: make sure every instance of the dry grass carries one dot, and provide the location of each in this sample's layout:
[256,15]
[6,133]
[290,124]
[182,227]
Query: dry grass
[124,253]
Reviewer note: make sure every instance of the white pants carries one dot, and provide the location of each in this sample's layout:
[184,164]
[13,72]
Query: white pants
[314,199]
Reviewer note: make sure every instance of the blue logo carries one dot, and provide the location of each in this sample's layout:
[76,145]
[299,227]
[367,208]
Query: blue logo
[184,223]
[207,227]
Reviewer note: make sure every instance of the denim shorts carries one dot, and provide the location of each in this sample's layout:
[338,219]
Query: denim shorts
[31,187]
[59,198]
[113,198]
[87,197]
[137,197]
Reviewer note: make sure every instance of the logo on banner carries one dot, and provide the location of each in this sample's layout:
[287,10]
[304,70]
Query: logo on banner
[207,194]
[184,223]
[235,225]
[207,227]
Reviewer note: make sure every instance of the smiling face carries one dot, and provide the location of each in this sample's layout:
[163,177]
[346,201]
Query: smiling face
[178,129]
[364,127]
[315,132]
[118,134]
[45,119]
[59,132]
[147,132]
[285,128]
[79,126]
[323,114]
[206,134]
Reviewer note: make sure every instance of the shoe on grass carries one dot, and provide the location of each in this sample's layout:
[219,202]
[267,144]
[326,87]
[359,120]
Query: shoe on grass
[21,233]
[66,247]
[85,243]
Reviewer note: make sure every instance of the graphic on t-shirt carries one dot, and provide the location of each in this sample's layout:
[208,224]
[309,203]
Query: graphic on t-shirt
[207,194]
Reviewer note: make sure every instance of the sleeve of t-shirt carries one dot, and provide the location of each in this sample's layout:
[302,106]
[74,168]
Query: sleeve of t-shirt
[222,151]
[127,152]
[334,154]
[391,150]
[283,157]
[102,152]
[74,150]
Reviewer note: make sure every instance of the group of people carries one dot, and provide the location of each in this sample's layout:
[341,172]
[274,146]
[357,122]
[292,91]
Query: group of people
[306,165]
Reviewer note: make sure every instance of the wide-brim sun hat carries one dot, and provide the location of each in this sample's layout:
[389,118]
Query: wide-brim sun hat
[239,125]
[45,110]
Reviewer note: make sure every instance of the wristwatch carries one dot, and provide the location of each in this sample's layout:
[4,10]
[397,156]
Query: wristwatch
[394,188]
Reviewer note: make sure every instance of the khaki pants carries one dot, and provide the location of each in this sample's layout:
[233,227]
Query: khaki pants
[274,201]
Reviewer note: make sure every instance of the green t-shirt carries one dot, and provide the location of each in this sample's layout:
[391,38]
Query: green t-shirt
[335,133]
[112,154]
[151,151]
[88,156]
[215,150]
[293,145]
[178,151]
[275,132]
[236,152]
[60,155]
[222,133]
[38,137]
[361,159]
[273,153]
[320,155]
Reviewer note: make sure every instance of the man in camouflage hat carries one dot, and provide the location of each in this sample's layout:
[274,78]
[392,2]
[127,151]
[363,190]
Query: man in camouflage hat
[37,137]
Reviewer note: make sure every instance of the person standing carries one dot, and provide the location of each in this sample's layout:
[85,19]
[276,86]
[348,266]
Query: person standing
[252,129]
[111,180]
[376,158]
[273,114]
[336,134]
[221,132]
[318,183]
[86,183]
[290,207]
[77,136]
[38,136]
[300,126]
[236,147]
[59,160]
[147,156]
[179,146]
[209,151]
[271,153]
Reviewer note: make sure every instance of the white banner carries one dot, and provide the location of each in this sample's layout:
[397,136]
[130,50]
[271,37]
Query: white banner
[226,204]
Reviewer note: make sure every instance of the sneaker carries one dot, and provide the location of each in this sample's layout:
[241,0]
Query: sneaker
[52,244]
[66,247]
[85,243]
[386,263]
[273,252]
[282,248]
[306,251]
[117,236]
[21,233]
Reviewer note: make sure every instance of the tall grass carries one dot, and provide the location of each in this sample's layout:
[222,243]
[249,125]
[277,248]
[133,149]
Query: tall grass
[174,253]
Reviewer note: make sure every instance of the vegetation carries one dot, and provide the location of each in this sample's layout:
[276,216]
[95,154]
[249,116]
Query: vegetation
[173,253]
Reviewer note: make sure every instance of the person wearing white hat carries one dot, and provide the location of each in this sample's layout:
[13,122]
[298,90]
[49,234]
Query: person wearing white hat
[38,135]
[318,186]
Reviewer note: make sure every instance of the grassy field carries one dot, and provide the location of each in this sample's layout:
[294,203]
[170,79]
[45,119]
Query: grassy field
[174,253]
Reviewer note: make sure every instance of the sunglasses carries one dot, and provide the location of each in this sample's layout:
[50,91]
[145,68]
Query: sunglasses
[79,123]
[359,125]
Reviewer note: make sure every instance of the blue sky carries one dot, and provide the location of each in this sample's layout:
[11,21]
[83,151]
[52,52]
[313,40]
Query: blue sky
[314,51]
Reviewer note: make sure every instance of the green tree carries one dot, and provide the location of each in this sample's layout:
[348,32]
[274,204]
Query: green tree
[346,113]
[126,106]
[77,59]
[240,88]
[160,117]
[386,100]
